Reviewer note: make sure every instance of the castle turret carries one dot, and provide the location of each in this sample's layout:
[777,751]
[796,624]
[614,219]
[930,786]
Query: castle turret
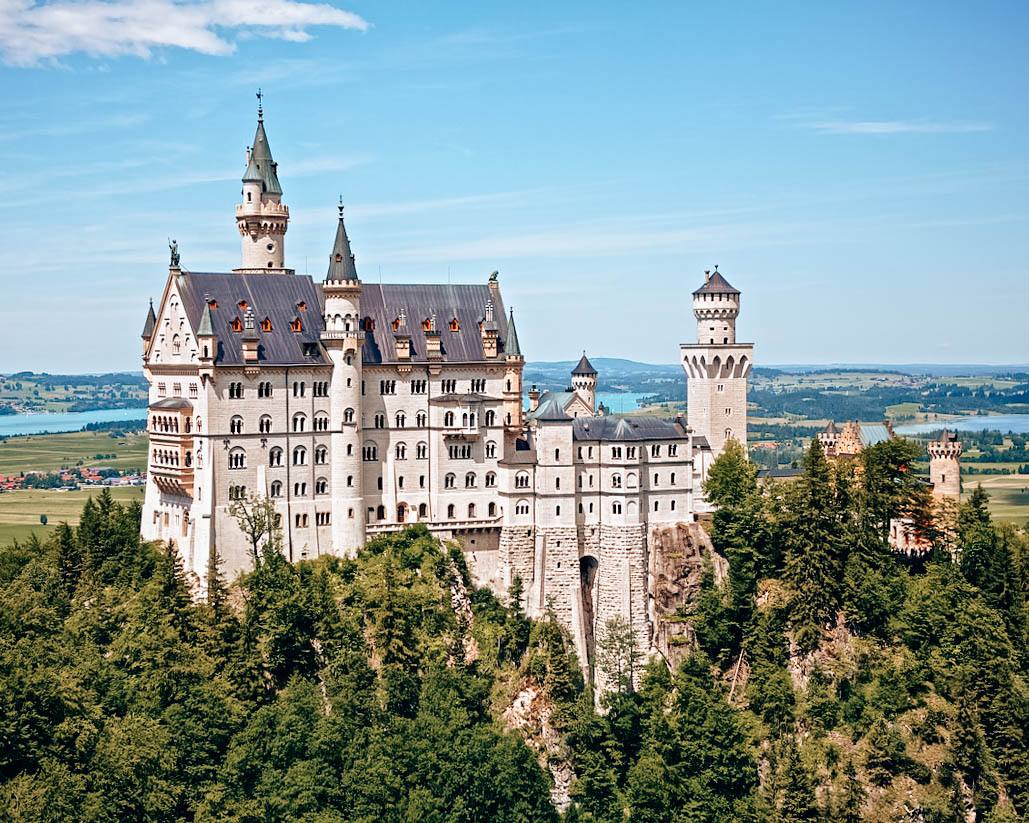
[148,327]
[717,366]
[584,381]
[262,218]
[515,363]
[342,339]
[945,465]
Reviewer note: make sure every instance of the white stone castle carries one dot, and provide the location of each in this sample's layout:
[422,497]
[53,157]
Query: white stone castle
[359,409]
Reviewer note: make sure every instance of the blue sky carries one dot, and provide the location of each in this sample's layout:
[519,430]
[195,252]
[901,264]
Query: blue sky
[859,170]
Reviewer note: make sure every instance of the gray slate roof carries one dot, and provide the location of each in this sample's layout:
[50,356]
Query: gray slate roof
[341,260]
[274,296]
[560,398]
[872,433]
[626,429]
[551,410]
[512,337]
[382,302]
[151,321]
[584,368]
[716,284]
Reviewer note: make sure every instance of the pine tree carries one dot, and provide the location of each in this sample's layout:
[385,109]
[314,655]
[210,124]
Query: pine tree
[796,786]
[852,797]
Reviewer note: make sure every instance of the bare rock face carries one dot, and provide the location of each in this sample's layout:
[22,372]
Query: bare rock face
[676,568]
[530,714]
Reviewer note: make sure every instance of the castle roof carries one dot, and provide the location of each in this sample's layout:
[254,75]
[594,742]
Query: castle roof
[151,322]
[513,348]
[341,260]
[552,410]
[626,429]
[715,283]
[947,437]
[460,341]
[873,433]
[261,166]
[584,368]
[831,428]
[278,298]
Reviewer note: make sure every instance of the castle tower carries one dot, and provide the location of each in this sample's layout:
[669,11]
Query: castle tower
[717,366]
[514,362]
[262,218]
[945,465]
[342,339]
[584,381]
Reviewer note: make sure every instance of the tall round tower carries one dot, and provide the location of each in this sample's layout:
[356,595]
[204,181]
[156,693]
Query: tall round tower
[262,218]
[584,381]
[945,465]
[342,339]
[717,367]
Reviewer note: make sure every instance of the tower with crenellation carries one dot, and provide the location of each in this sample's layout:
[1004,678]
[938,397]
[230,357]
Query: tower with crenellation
[945,465]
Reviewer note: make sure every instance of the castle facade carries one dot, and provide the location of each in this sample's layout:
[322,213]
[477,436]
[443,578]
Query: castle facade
[359,409]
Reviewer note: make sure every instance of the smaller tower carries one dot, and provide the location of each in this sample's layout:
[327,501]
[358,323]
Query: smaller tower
[343,339]
[515,363]
[262,218]
[148,328]
[945,465]
[584,381]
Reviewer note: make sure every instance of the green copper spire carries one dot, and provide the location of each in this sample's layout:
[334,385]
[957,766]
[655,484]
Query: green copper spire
[512,348]
[341,261]
[261,166]
[206,326]
[150,324]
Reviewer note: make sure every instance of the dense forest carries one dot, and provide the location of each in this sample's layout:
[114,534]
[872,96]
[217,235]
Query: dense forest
[831,680]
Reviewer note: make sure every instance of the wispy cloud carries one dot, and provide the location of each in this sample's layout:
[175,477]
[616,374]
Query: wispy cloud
[33,32]
[897,127]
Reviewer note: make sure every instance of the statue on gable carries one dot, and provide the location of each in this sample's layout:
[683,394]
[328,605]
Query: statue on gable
[173,248]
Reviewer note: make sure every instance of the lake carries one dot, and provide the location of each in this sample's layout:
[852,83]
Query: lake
[1017,423]
[65,422]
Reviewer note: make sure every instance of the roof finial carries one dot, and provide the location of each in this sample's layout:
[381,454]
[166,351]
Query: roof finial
[260,108]
[340,207]
[716,267]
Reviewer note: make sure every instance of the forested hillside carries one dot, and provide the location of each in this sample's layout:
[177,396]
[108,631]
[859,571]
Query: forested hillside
[833,681]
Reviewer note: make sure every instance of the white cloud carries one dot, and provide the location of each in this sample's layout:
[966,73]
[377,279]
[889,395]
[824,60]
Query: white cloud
[32,32]
[897,127]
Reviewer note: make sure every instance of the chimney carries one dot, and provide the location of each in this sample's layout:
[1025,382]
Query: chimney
[534,398]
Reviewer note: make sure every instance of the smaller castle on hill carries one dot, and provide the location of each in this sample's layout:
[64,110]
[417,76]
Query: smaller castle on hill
[849,440]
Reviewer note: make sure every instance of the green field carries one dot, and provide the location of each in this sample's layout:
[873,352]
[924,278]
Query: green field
[50,452]
[20,510]
[1009,496]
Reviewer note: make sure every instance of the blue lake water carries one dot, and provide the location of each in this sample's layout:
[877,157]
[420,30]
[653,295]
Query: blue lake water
[620,402]
[65,422]
[1017,423]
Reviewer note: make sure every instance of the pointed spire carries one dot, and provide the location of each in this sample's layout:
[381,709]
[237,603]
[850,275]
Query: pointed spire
[341,261]
[206,328]
[260,165]
[512,349]
[151,322]
[584,368]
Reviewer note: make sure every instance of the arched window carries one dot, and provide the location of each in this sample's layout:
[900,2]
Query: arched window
[299,456]
[491,448]
[380,420]
[401,420]
[616,481]
[448,419]
[421,420]
[630,480]
[449,480]
[522,480]
[380,513]
[275,457]
[348,416]
[522,507]
[491,480]
[236,425]
[401,512]
[401,451]
[422,451]
[469,480]
[237,459]
[491,418]
[321,422]
[450,512]
[321,486]
[491,510]
[616,507]
[276,489]
[423,511]
[471,511]
[265,424]
[321,455]
[370,452]
[299,422]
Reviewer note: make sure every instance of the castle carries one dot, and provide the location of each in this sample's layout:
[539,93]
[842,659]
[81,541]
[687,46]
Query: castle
[358,409]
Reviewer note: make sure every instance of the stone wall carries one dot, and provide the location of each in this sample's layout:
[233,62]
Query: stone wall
[516,556]
[622,586]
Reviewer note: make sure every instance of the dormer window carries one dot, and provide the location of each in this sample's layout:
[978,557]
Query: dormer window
[427,324]
[296,326]
[301,306]
[243,305]
[213,304]
[396,324]
[236,325]
[455,324]
[266,324]
[368,324]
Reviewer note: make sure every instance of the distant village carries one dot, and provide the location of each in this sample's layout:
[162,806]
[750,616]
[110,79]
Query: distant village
[71,479]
